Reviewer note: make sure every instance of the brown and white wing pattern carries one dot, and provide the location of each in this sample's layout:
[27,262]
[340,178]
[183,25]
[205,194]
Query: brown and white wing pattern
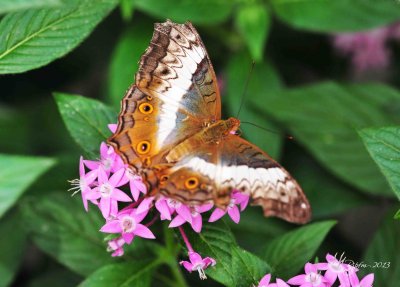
[236,164]
[175,94]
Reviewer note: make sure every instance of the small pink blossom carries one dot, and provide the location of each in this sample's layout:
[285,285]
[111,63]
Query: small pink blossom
[168,206]
[108,192]
[136,184]
[238,198]
[311,279]
[83,184]
[196,263]
[196,219]
[334,269]
[110,161]
[112,127]
[115,246]
[127,222]
[264,282]
[355,282]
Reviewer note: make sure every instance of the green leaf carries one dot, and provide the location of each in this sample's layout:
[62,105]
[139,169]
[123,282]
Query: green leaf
[253,21]
[17,173]
[338,15]
[381,257]
[196,11]
[264,80]
[86,119]
[397,215]
[125,59]
[324,118]
[289,252]
[61,228]
[34,38]
[12,247]
[136,274]
[383,145]
[126,7]
[235,266]
[321,188]
[7,6]
[55,276]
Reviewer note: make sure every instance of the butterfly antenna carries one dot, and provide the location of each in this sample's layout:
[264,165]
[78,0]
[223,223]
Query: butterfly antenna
[245,88]
[267,130]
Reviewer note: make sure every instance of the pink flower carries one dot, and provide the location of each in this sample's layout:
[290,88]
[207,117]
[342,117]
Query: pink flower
[335,269]
[109,160]
[355,282]
[115,246]
[196,219]
[367,49]
[168,206]
[197,263]
[108,192]
[136,184]
[238,198]
[127,222]
[265,282]
[311,279]
[83,183]
[112,127]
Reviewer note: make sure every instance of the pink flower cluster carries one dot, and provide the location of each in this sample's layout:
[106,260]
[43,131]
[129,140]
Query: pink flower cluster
[368,50]
[122,199]
[335,270]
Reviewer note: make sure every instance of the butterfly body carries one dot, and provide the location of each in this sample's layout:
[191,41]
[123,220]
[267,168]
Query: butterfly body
[170,132]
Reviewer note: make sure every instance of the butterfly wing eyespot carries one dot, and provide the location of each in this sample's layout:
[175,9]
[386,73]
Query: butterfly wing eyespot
[191,183]
[146,108]
[143,147]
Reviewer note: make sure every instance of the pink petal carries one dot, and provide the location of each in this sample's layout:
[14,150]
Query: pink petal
[297,280]
[367,280]
[91,164]
[93,194]
[128,237]
[81,167]
[102,175]
[265,280]
[117,253]
[195,258]
[140,216]
[90,177]
[177,221]
[188,266]
[234,213]
[310,268]
[112,127]
[111,227]
[184,212]
[197,223]
[144,232]
[84,201]
[204,207]
[145,205]
[140,185]
[244,204]
[209,261]
[330,258]
[116,179]
[103,150]
[105,206]
[330,276]
[163,208]
[343,279]
[114,208]
[281,283]
[134,191]
[217,214]
[119,195]
[321,266]
[311,285]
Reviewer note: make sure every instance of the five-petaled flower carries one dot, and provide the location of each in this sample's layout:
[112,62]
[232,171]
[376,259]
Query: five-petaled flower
[196,263]
[108,192]
[237,198]
[311,279]
[127,222]
[334,269]
[355,282]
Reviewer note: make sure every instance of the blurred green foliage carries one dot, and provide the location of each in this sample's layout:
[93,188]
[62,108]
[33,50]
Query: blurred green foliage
[345,147]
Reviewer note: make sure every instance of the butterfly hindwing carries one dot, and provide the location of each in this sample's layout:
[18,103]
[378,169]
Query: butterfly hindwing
[235,164]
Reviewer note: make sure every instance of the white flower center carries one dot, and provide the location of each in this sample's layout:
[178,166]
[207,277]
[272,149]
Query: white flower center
[231,203]
[313,278]
[199,268]
[336,266]
[128,224]
[194,213]
[106,190]
[82,183]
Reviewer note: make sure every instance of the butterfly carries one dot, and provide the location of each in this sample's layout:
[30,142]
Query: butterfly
[171,133]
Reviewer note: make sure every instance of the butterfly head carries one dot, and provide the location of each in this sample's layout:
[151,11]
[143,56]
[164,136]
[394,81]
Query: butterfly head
[233,125]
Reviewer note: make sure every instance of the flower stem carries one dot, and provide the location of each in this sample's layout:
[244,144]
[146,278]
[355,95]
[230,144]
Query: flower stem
[185,239]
